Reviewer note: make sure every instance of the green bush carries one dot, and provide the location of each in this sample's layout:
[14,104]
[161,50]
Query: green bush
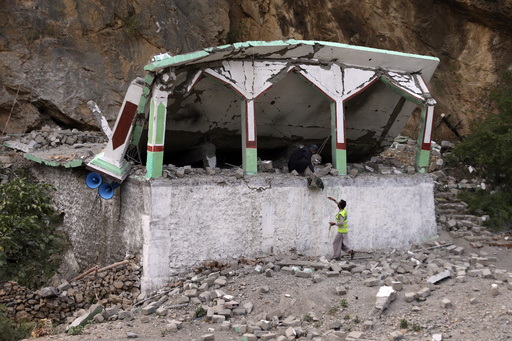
[489,149]
[29,243]
[10,331]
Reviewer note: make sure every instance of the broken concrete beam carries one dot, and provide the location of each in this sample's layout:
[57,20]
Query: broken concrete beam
[385,296]
[94,310]
[303,264]
[439,277]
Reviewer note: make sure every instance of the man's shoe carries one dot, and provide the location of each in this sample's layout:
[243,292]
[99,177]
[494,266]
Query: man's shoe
[351,252]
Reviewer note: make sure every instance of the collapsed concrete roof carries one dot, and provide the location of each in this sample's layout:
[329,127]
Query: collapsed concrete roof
[253,100]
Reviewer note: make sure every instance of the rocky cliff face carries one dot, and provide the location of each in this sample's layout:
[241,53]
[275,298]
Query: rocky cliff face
[55,55]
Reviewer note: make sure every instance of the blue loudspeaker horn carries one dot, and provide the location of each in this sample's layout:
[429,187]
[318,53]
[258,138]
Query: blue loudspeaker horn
[106,191]
[93,180]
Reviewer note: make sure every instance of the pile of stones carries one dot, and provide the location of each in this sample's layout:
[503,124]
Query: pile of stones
[119,286]
[48,137]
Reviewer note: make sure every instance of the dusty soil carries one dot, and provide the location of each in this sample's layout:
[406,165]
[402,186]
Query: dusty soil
[487,317]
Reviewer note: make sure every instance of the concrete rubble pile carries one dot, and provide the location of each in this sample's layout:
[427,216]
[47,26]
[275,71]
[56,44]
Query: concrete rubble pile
[409,276]
[56,146]
[117,287]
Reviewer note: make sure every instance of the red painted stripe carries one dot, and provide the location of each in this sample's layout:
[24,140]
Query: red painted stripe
[123,125]
[425,146]
[342,146]
[155,149]
[360,90]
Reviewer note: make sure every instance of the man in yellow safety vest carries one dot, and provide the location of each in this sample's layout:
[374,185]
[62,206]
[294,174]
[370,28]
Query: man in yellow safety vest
[341,241]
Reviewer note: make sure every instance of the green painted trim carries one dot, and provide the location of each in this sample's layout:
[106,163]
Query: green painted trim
[341,161]
[142,105]
[250,161]
[74,163]
[401,92]
[422,156]
[149,79]
[151,120]
[422,161]
[97,161]
[333,133]
[137,133]
[160,123]
[33,158]
[170,60]
[154,165]
[145,91]
[51,163]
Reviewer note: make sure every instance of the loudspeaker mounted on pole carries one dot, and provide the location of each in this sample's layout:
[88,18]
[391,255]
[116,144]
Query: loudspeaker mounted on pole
[93,180]
[106,191]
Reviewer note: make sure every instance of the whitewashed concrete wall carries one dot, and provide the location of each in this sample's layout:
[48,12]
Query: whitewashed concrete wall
[219,218]
[177,224]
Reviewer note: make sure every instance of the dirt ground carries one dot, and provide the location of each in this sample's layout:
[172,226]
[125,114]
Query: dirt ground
[475,314]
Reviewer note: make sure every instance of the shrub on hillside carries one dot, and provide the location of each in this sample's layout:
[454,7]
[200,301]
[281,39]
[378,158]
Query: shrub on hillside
[29,242]
[489,149]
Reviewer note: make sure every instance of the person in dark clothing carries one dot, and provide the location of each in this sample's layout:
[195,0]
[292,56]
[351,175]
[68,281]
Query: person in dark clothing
[301,159]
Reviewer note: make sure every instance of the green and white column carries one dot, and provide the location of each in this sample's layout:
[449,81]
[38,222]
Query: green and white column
[424,138]
[156,133]
[249,145]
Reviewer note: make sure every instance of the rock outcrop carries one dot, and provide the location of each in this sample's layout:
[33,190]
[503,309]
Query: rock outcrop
[55,56]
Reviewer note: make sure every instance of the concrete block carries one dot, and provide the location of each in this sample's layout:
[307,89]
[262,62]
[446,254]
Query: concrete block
[239,311]
[99,318]
[303,274]
[248,336]
[269,336]
[475,273]
[207,337]
[341,290]
[371,282]
[150,309]
[424,292]
[162,311]
[171,327]
[332,274]
[486,273]
[286,270]
[355,335]
[385,296]
[458,251]
[226,325]
[446,303]
[410,296]
[248,307]
[335,266]
[231,304]
[264,289]
[397,286]
[495,290]
[218,318]
[439,277]
[317,278]
[396,335]
[460,279]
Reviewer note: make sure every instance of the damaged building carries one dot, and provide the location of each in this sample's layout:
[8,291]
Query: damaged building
[231,107]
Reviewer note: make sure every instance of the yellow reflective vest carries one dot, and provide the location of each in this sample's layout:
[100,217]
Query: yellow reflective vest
[343,228]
